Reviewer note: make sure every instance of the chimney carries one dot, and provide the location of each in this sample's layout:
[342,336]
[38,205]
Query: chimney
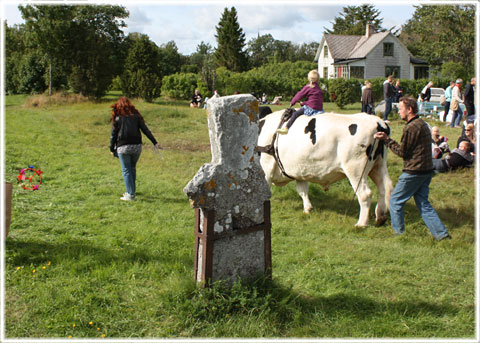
[370,30]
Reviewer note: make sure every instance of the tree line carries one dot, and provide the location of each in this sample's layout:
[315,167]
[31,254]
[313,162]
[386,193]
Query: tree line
[83,48]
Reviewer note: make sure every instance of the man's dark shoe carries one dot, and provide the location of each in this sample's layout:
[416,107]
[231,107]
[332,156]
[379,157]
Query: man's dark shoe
[445,237]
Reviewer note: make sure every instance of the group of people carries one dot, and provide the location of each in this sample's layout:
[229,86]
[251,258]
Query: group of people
[461,157]
[415,148]
[453,99]
[392,92]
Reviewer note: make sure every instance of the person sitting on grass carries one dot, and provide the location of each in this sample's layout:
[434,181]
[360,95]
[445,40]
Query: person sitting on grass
[459,158]
[313,104]
[439,143]
[196,99]
[468,136]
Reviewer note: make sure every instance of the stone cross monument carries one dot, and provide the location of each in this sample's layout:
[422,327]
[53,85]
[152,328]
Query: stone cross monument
[231,196]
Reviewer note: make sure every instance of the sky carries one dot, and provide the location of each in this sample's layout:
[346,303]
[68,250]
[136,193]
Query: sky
[188,23]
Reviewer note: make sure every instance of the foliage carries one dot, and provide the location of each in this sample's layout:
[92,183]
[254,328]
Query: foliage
[181,85]
[275,79]
[453,29]
[346,91]
[231,42]
[170,61]
[142,76]
[32,72]
[454,70]
[81,40]
[354,20]
[128,267]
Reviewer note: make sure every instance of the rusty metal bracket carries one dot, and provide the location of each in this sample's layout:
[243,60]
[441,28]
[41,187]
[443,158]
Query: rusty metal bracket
[205,240]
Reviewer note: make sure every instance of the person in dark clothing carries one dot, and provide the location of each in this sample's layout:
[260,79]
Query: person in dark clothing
[459,158]
[469,97]
[398,91]
[415,149]
[388,95]
[196,99]
[126,141]
[468,136]
[426,93]
[367,98]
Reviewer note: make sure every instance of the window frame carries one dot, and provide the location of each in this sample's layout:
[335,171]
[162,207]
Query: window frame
[325,51]
[385,49]
[389,70]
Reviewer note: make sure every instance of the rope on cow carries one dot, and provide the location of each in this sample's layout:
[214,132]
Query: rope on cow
[369,157]
[272,149]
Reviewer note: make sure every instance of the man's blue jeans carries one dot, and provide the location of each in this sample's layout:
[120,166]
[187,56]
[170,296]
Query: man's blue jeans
[456,117]
[128,163]
[409,185]
[388,108]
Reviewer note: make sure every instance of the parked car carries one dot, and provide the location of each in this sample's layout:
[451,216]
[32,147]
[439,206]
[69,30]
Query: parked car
[436,96]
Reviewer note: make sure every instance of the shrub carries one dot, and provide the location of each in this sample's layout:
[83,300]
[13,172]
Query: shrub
[346,91]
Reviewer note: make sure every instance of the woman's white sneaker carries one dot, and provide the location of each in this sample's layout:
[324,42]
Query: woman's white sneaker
[127,197]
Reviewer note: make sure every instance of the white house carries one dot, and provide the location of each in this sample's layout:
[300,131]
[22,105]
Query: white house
[368,56]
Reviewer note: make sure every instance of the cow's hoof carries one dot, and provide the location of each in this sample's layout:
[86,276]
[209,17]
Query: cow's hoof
[381,220]
[360,226]
[308,210]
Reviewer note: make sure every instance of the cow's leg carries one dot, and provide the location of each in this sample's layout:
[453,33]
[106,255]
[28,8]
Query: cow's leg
[380,177]
[302,189]
[364,194]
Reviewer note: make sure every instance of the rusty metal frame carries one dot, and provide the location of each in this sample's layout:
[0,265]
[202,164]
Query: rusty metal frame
[208,237]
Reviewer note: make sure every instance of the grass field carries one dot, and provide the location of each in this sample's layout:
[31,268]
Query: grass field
[81,263]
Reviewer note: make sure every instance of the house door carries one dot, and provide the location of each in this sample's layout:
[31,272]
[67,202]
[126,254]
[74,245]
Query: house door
[339,72]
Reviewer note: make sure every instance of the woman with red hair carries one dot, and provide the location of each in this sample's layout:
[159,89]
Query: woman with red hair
[126,141]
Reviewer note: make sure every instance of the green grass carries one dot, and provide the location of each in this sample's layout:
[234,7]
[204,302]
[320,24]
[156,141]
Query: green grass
[128,267]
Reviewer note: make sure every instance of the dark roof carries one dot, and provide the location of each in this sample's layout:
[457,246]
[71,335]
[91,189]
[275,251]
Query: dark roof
[348,47]
[417,61]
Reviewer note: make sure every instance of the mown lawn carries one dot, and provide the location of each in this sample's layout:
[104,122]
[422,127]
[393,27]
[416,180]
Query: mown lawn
[79,262]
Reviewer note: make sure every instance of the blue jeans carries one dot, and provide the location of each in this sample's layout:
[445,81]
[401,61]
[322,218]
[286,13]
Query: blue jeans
[456,117]
[417,186]
[128,163]
[388,108]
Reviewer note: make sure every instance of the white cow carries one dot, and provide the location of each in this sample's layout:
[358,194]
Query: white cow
[326,148]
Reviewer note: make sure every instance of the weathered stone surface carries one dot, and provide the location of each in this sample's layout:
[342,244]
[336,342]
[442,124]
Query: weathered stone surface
[233,185]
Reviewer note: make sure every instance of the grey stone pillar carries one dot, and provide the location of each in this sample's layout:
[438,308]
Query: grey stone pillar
[231,196]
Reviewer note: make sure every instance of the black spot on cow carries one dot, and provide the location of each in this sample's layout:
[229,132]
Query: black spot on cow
[380,128]
[353,129]
[263,111]
[369,151]
[311,128]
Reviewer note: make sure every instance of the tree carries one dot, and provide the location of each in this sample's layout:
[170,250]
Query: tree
[442,33]
[170,60]
[354,20]
[261,50]
[49,30]
[231,42]
[81,40]
[142,75]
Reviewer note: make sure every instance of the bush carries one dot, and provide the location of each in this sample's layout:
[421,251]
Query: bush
[180,85]
[345,91]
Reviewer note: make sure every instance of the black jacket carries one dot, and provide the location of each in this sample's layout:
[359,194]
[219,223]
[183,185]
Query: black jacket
[126,130]
[469,96]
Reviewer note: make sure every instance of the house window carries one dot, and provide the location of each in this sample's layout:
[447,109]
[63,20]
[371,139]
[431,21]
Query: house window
[392,70]
[357,72]
[325,51]
[325,72]
[387,49]
[420,73]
